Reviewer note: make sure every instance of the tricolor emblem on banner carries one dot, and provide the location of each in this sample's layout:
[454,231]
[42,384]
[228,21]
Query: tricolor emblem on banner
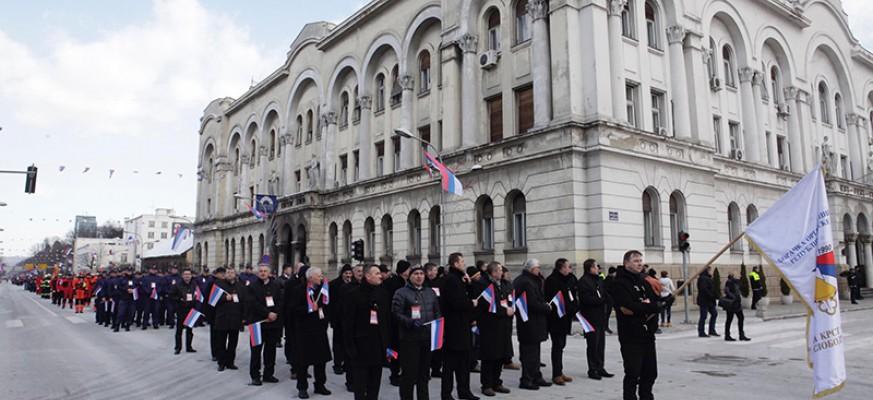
[796,236]
[489,294]
[586,326]
[325,293]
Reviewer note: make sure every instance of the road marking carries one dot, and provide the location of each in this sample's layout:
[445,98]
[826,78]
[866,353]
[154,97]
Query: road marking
[44,308]
[854,345]
[15,323]
[75,320]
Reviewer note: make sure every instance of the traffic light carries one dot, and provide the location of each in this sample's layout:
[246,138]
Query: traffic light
[30,182]
[358,249]
[684,246]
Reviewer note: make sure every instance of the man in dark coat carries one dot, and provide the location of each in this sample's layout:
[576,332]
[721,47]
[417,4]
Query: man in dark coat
[637,314]
[561,280]
[534,331]
[357,277]
[457,309]
[182,296]
[209,311]
[394,282]
[264,304]
[593,306]
[706,299]
[228,319]
[413,306]
[309,310]
[495,328]
[367,332]
[291,287]
[434,281]
[336,302]
[168,304]
[151,288]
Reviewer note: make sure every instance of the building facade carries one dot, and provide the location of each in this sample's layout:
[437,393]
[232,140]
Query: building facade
[579,128]
[92,253]
[143,232]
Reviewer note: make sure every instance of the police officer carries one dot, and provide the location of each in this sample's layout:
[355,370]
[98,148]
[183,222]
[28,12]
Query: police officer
[457,309]
[757,286]
[170,281]
[182,294]
[151,290]
[309,310]
[367,332]
[414,305]
[139,299]
[123,293]
[228,319]
[593,304]
[265,305]
[637,314]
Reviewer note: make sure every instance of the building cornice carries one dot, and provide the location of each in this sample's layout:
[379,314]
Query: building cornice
[792,11]
[347,25]
[256,90]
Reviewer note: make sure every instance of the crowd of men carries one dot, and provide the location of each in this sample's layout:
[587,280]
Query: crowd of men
[420,321]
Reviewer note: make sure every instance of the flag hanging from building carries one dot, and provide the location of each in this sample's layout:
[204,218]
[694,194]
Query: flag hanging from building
[191,318]
[266,204]
[215,295]
[258,215]
[796,236]
[255,338]
[451,183]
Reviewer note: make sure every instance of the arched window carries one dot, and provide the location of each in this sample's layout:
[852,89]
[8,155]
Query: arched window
[370,238]
[776,85]
[824,109]
[388,236]
[751,214]
[299,129]
[677,217]
[237,166]
[414,222]
[727,61]
[356,115]
[493,29]
[396,89]
[628,24]
[838,111]
[310,120]
[250,249]
[333,241]
[424,72]
[253,153]
[347,241]
[272,144]
[380,93]
[205,259]
[434,232]
[232,257]
[735,227]
[651,220]
[652,26]
[261,247]
[344,110]
[484,223]
[516,215]
[522,22]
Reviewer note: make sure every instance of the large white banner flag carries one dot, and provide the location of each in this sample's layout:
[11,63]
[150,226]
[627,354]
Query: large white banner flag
[796,235]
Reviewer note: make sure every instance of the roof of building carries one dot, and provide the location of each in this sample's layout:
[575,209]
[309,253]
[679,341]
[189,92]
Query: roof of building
[164,248]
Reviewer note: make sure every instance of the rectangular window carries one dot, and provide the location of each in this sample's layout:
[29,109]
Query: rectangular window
[151,224]
[519,221]
[344,169]
[395,141]
[487,233]
[780,152]
[767,135]
[380,158]
[524,108]
[734,135]
[424,134]
[151,235]
[659,123]
[495,118]
[494,38]
[251,194]
[716,130]
[163,235]
[632,98]
[356,173]
[522,27]
[844,165]
[652,33]
[628,28]
[208,206]
[298,184]
[164,224]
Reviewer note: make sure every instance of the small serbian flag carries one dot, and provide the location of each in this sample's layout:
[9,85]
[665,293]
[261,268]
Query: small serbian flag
[390,354]
[437,329]
[192,318]
[215,295]
[154,295]
[97,292]
[474,329]
[560,306]
[586,326]
[521,306]
[198,295]
[325,293]
[135,294]
[311,305]
[255,338]
[489,296]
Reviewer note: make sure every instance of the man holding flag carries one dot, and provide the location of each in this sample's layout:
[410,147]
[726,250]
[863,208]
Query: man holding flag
[151,286]
[560,287]
[366,321]
[414,305]
[593,308]
[457,311]
[495,328]
[264,305]
[796,236]
[532,330]
[228,318]
[308,307]
[182,294]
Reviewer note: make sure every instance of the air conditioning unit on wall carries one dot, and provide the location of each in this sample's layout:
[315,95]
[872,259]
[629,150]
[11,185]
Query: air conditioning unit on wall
[737,154]
[488,59]
[715,83]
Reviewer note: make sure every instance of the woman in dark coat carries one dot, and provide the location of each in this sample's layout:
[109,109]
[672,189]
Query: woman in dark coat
[311,323]
[495,328]
[732,305]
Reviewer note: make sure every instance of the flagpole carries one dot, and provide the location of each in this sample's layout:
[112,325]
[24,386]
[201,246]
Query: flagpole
[708,264]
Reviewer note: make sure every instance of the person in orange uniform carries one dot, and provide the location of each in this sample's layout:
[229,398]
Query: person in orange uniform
[67,287]
[81,291]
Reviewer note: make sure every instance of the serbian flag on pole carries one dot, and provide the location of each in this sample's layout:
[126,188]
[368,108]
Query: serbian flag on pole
[192,318]
[521,306]
[437,329]
[215,295]
[796,236]
[560,305]
[451,183]
[586,326]
[255,338]
[311,305]
[325,293]
[198,295]
[390,354]
[154,295]
[489,296]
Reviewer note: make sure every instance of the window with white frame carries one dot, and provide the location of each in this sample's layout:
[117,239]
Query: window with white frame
[716,130]
[628,24]
[494,30]
[632,98]
[659,114]
[522,22]
[727,60]
[653,32]
[824,108]
[734,135]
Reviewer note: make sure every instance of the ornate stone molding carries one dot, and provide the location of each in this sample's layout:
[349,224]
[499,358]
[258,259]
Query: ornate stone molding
[851,237]
[262,151]
[676,34]
[865,238]
[407,82]
[758,80]
[854,119]
[538,9]
[330,118]
[469,43]
[746,74]
[244,159]
[790,93]
[616,7]
[366,102]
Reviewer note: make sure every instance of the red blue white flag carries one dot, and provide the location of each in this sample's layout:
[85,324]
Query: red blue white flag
[390,354]
[560,305]
[215,295]
[325,293]
[198,295]
[586,326]
[191,318]
[489,295]
[521,306]
[437,329]
[451,183]
[255,338]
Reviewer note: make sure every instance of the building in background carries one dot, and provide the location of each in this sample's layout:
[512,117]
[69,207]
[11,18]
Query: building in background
[90,253]
[172,251]
[143,232]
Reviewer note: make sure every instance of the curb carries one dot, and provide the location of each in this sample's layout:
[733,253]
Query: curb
[800,315]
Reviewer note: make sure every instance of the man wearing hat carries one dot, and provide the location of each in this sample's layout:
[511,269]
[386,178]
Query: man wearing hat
[151,288]
[413,306]
[393,283]
[336,302]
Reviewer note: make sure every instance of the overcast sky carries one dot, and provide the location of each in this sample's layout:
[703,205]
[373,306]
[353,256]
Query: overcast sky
[120,85]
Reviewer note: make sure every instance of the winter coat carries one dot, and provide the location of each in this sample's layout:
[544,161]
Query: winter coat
[365,343]
[567,286]
[256,307]
[535,330]
[495,328]
[229,313]
[457,309]
[706,296]
[593,299]
[310,327]
[629,290]
[732,302]
[183,295]
[401,308]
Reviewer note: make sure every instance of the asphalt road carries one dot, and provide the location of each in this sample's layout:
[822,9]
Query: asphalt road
[48,353]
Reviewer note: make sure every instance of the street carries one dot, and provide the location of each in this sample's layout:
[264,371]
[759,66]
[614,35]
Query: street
[50,353]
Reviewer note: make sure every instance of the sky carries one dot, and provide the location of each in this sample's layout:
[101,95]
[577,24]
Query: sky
[118,87]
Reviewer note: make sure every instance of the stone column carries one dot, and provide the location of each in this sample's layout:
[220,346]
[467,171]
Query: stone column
[365,145]
[616,60]
[805,118]
[471,132]
[407,146]
[765,144]
[751,140]
[451,134]
[795,139]
[867,240]
[262,184]
[678,78]
[857,144]
[542,65]
[851,251]
[700,95]
[329,150]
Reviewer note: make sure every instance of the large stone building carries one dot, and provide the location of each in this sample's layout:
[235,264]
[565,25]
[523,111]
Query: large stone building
[579,128]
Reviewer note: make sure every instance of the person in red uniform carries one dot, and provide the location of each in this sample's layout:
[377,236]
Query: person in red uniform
[81,291]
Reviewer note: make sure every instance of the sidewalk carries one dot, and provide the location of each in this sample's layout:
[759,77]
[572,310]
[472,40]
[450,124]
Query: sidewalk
[797,309]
